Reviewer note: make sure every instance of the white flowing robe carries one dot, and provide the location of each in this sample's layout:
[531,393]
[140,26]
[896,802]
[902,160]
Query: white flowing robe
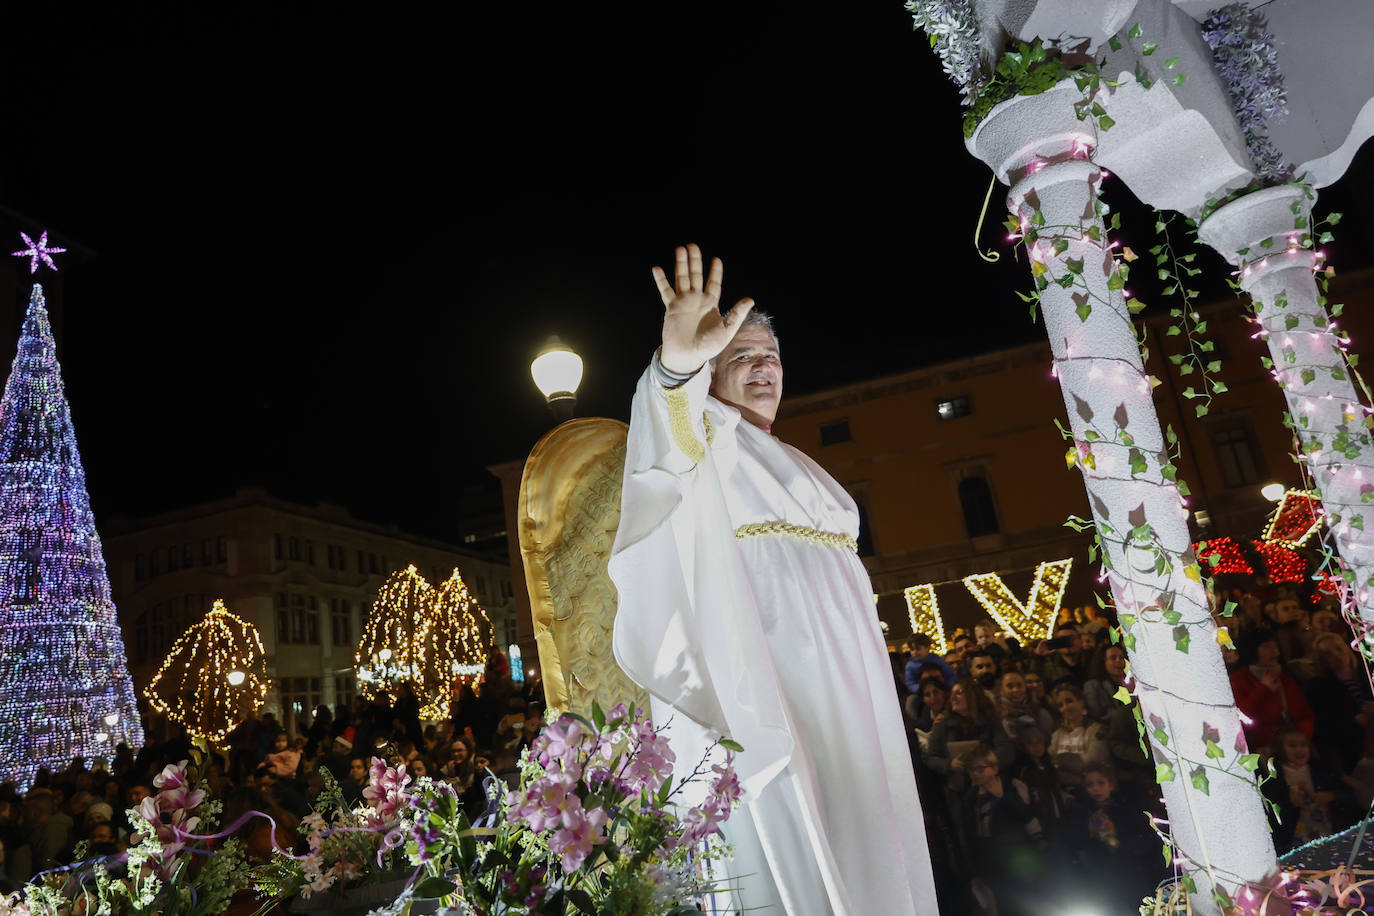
[773,641]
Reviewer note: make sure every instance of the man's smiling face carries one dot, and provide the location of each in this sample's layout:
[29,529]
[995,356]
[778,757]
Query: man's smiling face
[748,375]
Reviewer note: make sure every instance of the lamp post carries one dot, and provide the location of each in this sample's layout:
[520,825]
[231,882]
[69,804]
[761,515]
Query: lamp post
[557,372]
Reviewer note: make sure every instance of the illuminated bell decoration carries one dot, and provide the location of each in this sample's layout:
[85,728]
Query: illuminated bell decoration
[196,686]
[1033,619]
[1229,557]
[62,663]
[1296,519]
[427,638]
[464,638]
[924,610]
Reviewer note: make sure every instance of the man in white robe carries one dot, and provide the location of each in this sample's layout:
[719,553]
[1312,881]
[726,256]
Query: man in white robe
[744,610]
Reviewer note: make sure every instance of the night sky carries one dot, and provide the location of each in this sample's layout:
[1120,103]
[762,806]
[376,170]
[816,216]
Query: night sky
[316,249]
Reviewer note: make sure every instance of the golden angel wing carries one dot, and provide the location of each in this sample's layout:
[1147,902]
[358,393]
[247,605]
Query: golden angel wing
[568,514]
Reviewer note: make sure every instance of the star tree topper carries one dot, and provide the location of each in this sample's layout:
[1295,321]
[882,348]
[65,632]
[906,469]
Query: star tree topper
[36,251]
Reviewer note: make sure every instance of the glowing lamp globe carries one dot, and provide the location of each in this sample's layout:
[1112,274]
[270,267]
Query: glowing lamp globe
[1273,491]
[235,678]
[112,719]
[557,372]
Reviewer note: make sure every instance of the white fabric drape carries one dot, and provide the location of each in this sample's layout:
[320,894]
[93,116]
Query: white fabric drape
[773,641]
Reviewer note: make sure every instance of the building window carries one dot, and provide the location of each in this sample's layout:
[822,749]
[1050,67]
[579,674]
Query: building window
[293,548]
[310,552]
[141,638]
[1236,453]
[299,696]
[329,555]
[340,623]
[221,549]
[950,408]
[835,433]
[188,556]
[345,691]
[207,553]
[152,564]
[980,515]
[361,567]
[140,568]
[173,555]
[372,563]
[276,546]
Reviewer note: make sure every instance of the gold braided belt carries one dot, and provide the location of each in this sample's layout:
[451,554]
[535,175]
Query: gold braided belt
[798,532]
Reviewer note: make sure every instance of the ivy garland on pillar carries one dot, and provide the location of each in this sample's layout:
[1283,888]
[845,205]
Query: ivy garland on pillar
[215,674]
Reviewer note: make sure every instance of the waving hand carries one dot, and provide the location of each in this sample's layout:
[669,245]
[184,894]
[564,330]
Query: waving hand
[694,330]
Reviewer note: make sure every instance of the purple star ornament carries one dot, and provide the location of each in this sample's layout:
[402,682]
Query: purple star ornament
[37,250]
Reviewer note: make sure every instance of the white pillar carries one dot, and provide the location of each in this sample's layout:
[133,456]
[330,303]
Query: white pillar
[1215,812]
[1262,234]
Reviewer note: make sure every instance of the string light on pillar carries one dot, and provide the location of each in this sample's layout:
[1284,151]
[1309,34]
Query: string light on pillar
[924,611]
[1033,619]
[215,674]
[64,668]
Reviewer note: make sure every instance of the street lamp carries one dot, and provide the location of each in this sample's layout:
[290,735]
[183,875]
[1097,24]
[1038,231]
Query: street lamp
[557,372]
[1273,491]
[235,678]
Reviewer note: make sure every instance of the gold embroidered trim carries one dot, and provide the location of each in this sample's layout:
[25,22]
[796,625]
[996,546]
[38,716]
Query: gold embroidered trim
[800,532]
[710,433]
[681,424]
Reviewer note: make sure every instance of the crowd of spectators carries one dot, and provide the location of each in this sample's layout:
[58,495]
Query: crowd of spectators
[263,767]
[1036,791]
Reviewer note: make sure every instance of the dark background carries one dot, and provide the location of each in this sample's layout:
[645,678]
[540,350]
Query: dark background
[316,246]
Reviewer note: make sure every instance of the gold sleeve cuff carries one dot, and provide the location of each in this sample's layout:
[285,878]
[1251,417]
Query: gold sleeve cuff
[680,421]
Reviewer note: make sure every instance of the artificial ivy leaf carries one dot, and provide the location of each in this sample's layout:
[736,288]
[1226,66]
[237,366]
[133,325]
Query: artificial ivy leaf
[1138,464]
[1149,48]
[1134,31]
[1214,751]
[731,745]
[1309,376]
[1249,761]
[1075,265]
[1181,638]
[1122,696]
[1200,781]
[1105,123]
[1170,63]
[1179,79]
[1114,43]
[1164,772]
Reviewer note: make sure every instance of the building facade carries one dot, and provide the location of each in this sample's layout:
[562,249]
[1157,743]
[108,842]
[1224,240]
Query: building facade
[960,469]
[304,575]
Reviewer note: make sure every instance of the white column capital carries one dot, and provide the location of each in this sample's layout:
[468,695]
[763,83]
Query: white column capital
[1280,215]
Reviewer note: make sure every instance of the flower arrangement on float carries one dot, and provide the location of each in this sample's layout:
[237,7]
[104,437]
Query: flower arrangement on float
[595,825]
[168,868]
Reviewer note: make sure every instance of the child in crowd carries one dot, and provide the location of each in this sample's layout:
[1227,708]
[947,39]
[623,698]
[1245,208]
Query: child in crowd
[1075,743]
[1115,854]
[1313,799]
[1002,838]
[284,760]
[1019,711]
[921,659]
[1037,772]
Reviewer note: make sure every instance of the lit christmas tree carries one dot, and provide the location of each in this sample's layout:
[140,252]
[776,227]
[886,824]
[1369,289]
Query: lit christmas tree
[65,689]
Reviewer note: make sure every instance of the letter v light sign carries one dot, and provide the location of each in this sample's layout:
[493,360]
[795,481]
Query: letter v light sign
[1033,619]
